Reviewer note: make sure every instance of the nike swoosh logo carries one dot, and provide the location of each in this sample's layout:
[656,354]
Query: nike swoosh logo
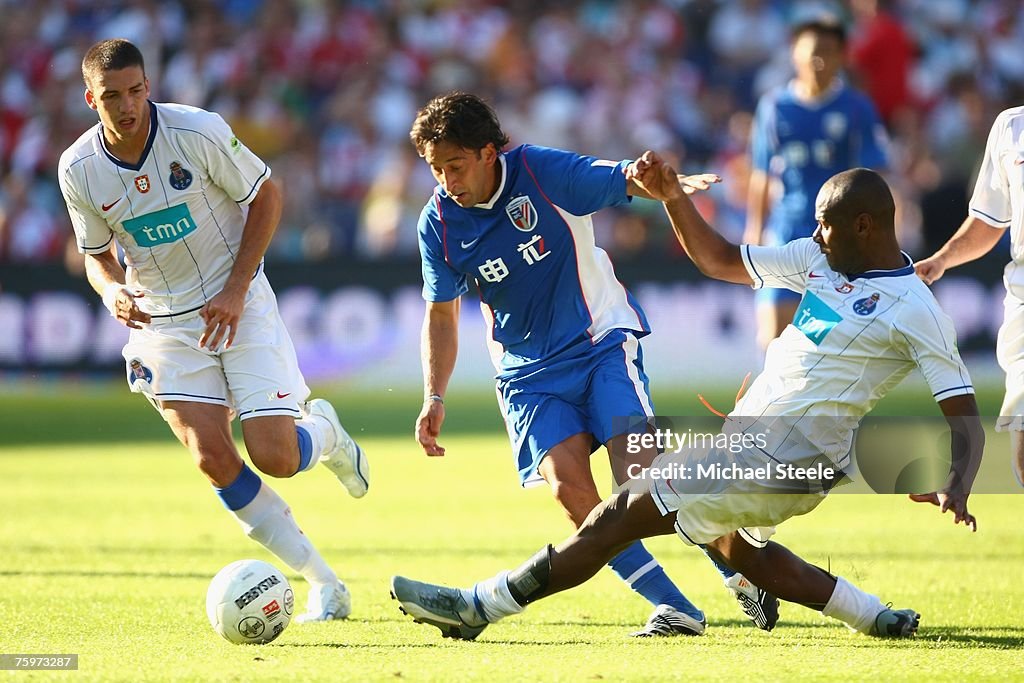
[813,274]
[107,207]
[467,245]
[280,395]
[1018,161]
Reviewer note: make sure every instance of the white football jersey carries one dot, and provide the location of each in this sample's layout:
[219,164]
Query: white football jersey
[998,197]
[178,214]
[851,341]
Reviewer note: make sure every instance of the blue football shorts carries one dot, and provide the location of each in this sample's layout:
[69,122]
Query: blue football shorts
[583,394]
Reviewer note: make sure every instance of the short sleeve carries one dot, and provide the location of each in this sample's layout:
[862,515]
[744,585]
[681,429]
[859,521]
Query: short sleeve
[925,334]
[784,266]
[92,233]
[441,282]
[578,184]
[231,165]
[991,199]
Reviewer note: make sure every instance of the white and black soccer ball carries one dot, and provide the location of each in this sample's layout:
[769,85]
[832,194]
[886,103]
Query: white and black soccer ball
[249,601]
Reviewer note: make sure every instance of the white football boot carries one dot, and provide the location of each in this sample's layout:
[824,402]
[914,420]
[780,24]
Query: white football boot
[346,460]
[326,602]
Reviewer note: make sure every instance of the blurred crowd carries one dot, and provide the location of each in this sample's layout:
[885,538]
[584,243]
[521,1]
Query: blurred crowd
[325,91]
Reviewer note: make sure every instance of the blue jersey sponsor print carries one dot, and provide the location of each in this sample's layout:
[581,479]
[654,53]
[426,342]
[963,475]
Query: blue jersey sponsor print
[550,292]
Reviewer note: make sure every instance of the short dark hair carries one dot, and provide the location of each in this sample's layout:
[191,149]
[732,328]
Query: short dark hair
[827,25]
[459,118]
[861,190]
[110,55]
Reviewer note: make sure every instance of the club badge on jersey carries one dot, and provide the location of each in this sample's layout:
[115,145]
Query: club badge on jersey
[180,177]
[142,183]
[522,213]
[867,305]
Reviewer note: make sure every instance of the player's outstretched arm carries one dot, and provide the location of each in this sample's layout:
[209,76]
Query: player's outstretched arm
[714,255]
[439,346]
[107,277]
[974,239]
[690,184]
[967,443]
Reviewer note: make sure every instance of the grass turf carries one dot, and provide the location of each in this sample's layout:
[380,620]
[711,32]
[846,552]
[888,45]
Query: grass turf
[107,544]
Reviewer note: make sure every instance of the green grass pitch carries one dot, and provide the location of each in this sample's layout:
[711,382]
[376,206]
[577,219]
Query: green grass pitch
[109,537]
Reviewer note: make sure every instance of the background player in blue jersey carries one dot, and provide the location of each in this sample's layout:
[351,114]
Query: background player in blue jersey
[804,133]
[854,248]
[565,332]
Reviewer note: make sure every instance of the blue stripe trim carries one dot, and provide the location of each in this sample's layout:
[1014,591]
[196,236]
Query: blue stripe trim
[477,604]
[359,466]
[255,184]
[104,246]
[305,447]
[993,218]
[679,530]
[241,491]
[898,272]
[962,386]
[264,410]
[145,150]
[745,250]
[178,393]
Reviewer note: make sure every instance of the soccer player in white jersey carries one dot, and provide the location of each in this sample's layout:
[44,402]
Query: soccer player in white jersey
[865,322]
[998,205]
[193,211]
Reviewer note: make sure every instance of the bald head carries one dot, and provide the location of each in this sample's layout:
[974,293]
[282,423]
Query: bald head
[848,194]
[856,218]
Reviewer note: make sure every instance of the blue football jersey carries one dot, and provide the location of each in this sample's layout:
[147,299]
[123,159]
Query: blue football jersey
[805,144]
[548,290]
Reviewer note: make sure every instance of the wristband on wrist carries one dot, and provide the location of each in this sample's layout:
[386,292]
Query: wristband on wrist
[434,397]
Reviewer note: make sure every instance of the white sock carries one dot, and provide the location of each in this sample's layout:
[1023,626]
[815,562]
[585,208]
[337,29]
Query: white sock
[494,597]
[853,606]
[321,433]
[268,520]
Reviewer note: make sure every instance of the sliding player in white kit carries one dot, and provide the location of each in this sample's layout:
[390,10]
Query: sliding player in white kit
[864,323]
[194,210]
[998,204]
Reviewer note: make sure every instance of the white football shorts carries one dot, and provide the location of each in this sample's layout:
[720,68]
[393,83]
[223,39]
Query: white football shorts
[709,507]
[258,376]
[1010,354]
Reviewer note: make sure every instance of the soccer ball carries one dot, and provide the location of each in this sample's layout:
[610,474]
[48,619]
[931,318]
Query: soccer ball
[249,601]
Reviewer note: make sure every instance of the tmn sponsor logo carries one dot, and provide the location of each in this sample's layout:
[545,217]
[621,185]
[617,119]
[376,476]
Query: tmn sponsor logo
[160,227]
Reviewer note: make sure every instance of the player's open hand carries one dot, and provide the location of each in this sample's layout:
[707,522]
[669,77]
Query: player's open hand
[930,269]
[221,315]
[122,305]
[428,427]
[957,502]
[700,182]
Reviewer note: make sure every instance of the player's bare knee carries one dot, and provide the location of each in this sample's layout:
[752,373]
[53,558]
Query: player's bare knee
[577,500]
[220,465]
[274,464]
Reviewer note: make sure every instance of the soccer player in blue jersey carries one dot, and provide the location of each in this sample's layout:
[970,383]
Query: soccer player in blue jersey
[866,322]
[804,133]
[565,332]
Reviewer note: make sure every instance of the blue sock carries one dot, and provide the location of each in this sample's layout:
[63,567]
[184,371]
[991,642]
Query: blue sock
[641,571]
[305,448]
[725,571]
[241,491]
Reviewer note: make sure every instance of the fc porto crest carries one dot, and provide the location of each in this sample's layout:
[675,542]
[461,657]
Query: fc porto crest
[142,183]
[181,177]
[522,214]
[867,305]
[137,372]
